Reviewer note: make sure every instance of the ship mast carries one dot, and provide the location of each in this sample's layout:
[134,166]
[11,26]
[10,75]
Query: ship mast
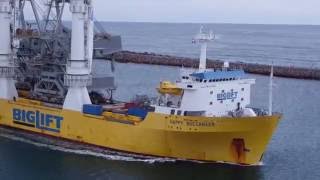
[78,75]
[270,91]
[7,85]
[202,38]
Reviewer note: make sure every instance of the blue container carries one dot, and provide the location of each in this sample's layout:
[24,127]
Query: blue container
[137,112]
[92,109]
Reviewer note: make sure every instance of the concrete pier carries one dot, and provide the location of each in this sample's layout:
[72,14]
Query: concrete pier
[157,59]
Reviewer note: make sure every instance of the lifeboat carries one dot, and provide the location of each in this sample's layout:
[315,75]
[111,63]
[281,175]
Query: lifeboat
[167,87]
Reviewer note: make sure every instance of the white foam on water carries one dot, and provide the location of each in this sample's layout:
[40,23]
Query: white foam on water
[78,149]
[260,163]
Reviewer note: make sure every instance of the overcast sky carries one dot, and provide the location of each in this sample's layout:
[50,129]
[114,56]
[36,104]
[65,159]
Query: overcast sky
[207,11]
[215,11]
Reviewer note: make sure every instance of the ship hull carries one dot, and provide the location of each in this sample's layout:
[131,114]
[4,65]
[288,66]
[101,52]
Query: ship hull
[230,140]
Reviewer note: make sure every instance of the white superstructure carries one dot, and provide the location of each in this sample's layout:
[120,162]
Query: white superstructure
[7,84]
[78,75]
[205,92]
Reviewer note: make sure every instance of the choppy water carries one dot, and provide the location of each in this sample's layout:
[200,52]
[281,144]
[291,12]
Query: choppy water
[292,154]
[282,44]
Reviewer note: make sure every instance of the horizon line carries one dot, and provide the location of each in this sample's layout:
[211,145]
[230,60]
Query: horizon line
[182,22]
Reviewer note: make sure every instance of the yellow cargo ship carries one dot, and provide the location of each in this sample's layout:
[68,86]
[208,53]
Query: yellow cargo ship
[204,116]
[240,141]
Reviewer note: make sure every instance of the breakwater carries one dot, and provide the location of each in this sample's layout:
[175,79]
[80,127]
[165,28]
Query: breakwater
[262,69]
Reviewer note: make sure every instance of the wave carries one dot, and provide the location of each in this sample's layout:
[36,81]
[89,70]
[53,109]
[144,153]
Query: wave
[75,148]
[87,150]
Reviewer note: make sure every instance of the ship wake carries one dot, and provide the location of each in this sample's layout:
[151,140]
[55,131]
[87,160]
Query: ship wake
[76,148]
[88,150]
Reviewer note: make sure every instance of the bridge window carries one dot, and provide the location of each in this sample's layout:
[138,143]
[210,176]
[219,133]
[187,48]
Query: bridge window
[172,111]
[211,103]
[179,112]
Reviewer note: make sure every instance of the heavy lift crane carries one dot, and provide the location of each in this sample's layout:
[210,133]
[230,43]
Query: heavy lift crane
[42,50]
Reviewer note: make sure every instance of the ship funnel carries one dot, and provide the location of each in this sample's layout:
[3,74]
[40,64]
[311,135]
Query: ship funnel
[7,84]
[203,39]
[78,75]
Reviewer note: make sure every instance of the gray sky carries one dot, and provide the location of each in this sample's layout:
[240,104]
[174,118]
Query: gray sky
[207,11]
[225,11]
